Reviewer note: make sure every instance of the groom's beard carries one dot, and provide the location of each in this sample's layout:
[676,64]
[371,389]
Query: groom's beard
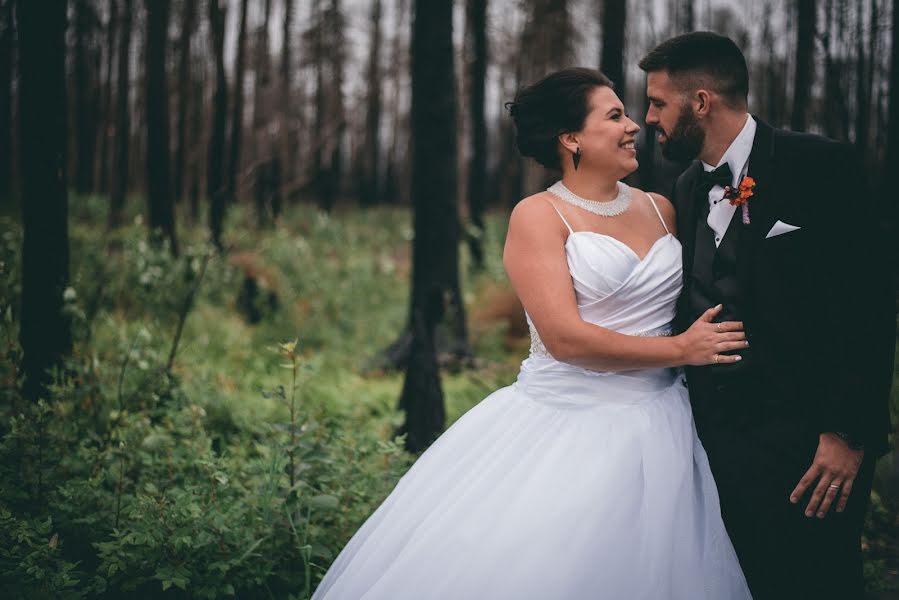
[686,140]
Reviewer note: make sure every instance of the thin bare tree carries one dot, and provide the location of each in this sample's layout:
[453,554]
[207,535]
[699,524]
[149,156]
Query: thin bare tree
[371,182]
[188,24]
[614,21]
[107,117]
[121,158]
[6,72]
[215,170]
[234,144]
[159,196]
[477,167]
[805,65]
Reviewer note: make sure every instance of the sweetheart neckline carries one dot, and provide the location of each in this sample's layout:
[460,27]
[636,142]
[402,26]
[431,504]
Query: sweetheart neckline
[631,250]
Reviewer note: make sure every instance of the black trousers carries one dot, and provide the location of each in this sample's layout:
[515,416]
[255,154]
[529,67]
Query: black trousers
[757,455]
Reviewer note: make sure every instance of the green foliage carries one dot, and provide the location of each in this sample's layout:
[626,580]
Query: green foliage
[244,469]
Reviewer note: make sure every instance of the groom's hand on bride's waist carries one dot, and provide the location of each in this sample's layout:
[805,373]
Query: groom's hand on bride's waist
[830,476]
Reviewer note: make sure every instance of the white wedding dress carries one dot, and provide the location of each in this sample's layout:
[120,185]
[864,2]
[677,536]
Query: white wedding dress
[569,483]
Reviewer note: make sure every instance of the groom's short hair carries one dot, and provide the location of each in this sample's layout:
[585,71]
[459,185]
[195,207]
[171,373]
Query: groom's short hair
[703,59]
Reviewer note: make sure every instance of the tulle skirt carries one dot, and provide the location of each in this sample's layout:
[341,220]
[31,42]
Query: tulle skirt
[568,484]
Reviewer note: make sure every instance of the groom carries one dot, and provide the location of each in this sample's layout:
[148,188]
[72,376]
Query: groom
[779,228]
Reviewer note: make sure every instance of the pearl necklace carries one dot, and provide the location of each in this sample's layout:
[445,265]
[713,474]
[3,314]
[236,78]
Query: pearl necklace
[611,208]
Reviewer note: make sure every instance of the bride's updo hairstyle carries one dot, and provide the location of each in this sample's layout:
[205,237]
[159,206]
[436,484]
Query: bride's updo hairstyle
[556,104]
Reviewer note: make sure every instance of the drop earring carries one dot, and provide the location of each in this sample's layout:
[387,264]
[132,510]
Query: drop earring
[576,157]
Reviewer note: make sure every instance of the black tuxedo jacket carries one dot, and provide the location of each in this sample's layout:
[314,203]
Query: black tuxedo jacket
[818,304]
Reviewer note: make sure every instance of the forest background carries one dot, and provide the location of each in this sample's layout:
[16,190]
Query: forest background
[250,257]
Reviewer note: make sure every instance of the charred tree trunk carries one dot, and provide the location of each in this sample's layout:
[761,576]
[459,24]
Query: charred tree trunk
[108,117]
[6,143]
[237,115]
[805,46]
[395,185]
[264,157]
[477,167]
[371,187]
[422,396]
[198,146]
[159,197]
[611,62]
[435,251]
[123,121]
[318,132]
[215,180]
[284,133]
[337,116]
[892,152]
[85,107]
[863,83]
[188,19]
[45,332]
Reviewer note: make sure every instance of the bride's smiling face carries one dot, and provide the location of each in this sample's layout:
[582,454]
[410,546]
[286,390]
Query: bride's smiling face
[607,139]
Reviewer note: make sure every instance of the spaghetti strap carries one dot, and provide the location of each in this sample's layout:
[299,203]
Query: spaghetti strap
[665,225]
[570,230]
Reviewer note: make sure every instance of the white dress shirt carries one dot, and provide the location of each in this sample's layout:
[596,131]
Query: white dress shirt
[737,156]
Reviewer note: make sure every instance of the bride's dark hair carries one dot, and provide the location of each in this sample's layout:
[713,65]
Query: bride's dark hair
[556,104]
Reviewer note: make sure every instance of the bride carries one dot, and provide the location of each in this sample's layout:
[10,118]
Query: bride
[585,478]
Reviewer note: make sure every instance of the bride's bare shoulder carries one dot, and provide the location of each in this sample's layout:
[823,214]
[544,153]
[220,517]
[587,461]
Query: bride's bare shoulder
[664,204]
[533,211]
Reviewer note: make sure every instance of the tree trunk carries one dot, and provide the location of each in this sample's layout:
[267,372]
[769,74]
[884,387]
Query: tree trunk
[863,83]
[198,145]
[261,68]
[805,46]
[108,117]
[395,184]
[687,16]
[284,133]
[85,107]
[435,251]
[318,132]
[215,181]
[45,331]
[892,152]
[611,63]
[371,186]
[337,117]
[6,143]
[264,157]
[159,197]
[188,20]
[477,167]
[237,114]
[123,121]
[422,396]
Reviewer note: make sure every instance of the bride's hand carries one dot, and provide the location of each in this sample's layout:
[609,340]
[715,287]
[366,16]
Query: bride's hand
[705,342]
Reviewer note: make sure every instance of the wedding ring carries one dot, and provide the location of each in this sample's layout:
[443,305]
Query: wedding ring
[834,486]
[717,356]
[719,326]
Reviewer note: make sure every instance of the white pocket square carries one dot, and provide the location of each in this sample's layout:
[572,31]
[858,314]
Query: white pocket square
[781,228]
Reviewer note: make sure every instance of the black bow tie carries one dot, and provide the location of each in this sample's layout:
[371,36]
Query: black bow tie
[721,176]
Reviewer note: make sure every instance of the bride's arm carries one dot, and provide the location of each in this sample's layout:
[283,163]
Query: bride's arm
[535,260]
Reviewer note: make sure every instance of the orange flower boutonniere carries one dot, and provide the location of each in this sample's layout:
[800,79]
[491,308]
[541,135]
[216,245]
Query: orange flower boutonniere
[739,196]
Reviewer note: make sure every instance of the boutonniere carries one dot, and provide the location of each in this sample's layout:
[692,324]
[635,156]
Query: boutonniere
[739,196]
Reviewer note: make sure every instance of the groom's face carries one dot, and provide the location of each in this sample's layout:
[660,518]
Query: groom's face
[680,135]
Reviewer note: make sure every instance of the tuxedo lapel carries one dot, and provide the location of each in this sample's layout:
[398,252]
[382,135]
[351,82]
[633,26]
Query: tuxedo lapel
[761,206]
[687,208]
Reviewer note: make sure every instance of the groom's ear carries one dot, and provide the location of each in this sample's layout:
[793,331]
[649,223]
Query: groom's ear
[702,102]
